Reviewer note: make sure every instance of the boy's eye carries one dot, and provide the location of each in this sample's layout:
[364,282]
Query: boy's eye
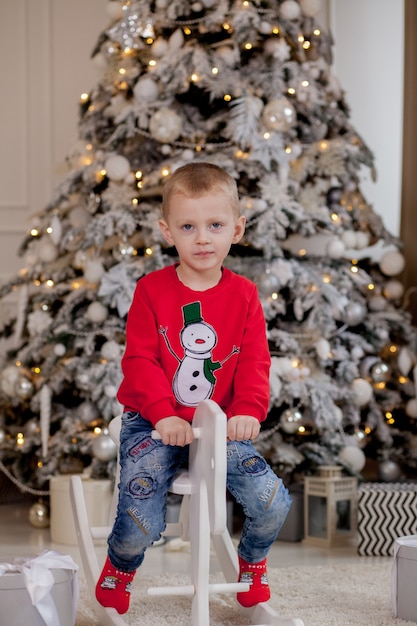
[216,225]
[187,227]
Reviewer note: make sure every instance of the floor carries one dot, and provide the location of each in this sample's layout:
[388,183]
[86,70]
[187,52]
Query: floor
[18,538]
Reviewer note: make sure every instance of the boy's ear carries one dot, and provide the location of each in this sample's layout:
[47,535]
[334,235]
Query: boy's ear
[166,233]
[239,229]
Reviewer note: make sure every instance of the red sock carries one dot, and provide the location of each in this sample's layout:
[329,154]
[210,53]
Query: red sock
[255,575]
[113,587]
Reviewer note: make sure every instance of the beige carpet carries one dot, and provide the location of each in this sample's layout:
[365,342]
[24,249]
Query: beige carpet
[342,595]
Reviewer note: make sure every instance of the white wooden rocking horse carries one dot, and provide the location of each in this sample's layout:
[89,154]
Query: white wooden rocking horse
[202,517]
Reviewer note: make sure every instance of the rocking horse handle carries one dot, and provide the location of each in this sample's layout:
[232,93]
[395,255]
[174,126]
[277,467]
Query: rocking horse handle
[196,433]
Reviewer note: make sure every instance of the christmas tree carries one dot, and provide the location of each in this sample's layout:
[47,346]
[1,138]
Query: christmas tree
[248,85]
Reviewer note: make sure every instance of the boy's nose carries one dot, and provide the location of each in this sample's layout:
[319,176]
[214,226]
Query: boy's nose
[202,236]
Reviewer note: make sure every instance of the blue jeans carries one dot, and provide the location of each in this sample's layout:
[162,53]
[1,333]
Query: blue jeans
[148,468]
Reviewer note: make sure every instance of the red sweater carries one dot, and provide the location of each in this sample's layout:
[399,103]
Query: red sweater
[183,346]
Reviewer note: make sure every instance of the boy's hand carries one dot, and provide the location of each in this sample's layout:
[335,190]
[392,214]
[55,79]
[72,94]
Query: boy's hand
[240,427]
[174,431]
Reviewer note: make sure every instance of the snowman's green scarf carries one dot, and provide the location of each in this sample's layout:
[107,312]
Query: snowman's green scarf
[209,367]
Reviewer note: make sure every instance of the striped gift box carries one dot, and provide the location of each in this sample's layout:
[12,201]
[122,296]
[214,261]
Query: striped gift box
[385,511]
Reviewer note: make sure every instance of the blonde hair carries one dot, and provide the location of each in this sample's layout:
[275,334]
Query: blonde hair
[197,179]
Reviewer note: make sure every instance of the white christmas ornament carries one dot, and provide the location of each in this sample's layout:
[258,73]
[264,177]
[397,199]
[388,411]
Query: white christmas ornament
[310,8]
[38,322]
[377,303]
[405,360]
[114,10]
[349,238]
[47,251]
[392,263]
[88,412]
[59,349]
[290,421]
[96,312]
[362,391]
[354,457]
[227,54]
[117,167]
[110,391]
[176,41]
[159,47]
[411,408]
[55,230]
[336,249]
[78,217]
[322,347]
[389,471]
[80,259]
[104,448]
[8,379]
[362,240]
[165,125]
[290,10]
[110,350]
[354,313]
[279,115]
[94,270]
[146,89]
[393,289]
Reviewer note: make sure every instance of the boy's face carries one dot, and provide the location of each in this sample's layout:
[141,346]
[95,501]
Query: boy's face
[202,230]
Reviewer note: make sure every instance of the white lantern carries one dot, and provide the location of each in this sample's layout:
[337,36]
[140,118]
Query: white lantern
[330,503]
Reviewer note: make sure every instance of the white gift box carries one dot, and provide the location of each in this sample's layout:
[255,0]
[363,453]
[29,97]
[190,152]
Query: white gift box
[98,497]
[40,591]
[404,578]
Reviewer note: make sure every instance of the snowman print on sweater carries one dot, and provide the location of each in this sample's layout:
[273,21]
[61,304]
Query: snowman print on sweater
[194,378]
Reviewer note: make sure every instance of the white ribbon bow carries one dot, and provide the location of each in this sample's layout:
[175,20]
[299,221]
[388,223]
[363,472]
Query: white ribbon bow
[39,581]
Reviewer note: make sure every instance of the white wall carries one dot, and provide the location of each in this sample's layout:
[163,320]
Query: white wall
[369,61]
[44,67]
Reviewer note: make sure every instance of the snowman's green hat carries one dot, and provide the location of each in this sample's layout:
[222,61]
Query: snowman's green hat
[192,313]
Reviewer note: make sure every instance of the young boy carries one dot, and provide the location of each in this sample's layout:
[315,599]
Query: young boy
[195,330]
